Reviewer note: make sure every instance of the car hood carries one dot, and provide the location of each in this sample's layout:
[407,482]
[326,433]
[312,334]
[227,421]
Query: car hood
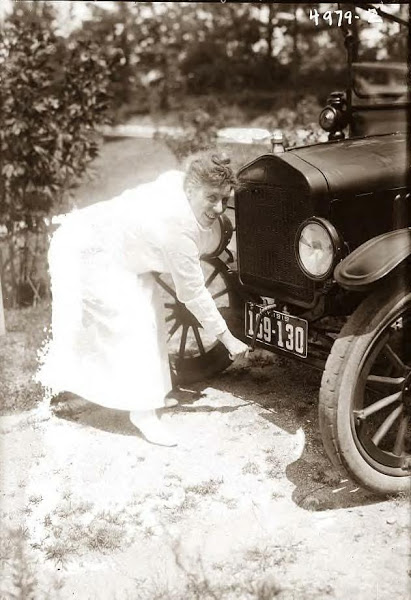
[359,165]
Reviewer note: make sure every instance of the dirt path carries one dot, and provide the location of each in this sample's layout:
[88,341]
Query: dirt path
[247,506]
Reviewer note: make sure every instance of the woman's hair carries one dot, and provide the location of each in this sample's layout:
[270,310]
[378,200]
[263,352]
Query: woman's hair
[209,168]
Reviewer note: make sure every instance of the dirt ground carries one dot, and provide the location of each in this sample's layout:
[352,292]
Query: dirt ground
[246,506]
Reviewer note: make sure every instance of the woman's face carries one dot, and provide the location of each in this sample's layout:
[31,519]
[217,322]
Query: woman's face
[208,202]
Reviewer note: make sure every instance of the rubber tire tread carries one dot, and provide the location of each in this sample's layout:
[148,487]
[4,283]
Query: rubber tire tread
[347,342]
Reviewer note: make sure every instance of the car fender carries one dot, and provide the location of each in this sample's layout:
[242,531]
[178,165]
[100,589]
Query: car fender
[374,260]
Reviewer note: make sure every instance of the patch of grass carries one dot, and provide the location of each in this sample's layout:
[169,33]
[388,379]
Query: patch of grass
[24,337]
[231,503]
[165,495]
[173,476]
[75,528]
[149,532]
[71,508]
[105,536]
[59,551]
[27,510]
[268,556]
[20,571]
[250,468]
[35,499]
[275,469]
[402,499]
[267,589]
[206,488]
[175,514]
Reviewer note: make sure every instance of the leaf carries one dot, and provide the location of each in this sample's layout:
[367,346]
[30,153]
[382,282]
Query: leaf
[7,170]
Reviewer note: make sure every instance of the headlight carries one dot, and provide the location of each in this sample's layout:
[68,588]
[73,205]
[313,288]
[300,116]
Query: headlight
[328,118]
[318,247]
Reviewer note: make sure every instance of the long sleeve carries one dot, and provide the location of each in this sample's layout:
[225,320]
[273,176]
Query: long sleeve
[183,263]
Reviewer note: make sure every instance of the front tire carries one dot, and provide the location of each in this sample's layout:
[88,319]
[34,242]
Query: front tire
[365,396]
[194,355]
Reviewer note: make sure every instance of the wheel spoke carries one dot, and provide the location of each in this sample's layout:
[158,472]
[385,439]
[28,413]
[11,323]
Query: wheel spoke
[166,287]
[219,294]
[211,278]
[173,330]
[170,318]
[169,304]
[198,340]
[399,440]
[376,406]
[386,425]
[394,358]
[183,342]
[391,381]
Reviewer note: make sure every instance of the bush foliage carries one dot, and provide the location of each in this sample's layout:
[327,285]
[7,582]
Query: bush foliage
[53,96]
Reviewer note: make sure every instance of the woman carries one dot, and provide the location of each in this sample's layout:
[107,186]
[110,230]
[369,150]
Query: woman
[109,339]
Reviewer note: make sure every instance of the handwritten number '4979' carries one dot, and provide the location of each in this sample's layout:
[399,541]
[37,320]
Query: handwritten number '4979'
[328,16]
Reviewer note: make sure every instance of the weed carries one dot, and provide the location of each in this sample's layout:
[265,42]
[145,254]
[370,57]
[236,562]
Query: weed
[250,468]
[22,533]
[104,536]
[270,556]
[5,549]
[71,508]
[267,589]
[148,532]
[76,534]
[189,503]
[276,468]
[83,507]
[402,499]
[47,522]
[59,552]
[65,511]
[110,517]
[172,476]
[206,488]
[35,499]
[165,495]
[198,585]
[273,473]
[231,503]
[177,512]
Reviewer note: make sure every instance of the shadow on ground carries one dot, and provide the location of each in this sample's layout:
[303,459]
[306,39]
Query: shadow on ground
[285,391]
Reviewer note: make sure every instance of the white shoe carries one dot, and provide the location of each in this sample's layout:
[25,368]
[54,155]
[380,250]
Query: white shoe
[152,429]
[170,402]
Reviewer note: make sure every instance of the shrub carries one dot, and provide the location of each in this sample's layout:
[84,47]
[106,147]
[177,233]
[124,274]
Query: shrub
[53,97]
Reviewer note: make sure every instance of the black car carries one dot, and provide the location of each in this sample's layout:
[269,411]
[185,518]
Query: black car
[323,273]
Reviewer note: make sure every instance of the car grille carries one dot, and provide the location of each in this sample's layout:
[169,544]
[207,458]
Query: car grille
[267,220]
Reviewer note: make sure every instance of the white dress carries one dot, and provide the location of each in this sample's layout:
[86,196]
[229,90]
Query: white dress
[108,330]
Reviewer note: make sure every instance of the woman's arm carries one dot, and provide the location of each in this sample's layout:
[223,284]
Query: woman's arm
[185,268]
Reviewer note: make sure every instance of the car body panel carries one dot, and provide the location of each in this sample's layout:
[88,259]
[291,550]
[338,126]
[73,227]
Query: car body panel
[374,259]
[359,165]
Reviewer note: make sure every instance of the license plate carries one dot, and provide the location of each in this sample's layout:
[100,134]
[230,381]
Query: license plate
[277,330]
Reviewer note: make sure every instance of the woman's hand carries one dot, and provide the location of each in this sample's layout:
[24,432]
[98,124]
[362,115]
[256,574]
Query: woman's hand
[236,348]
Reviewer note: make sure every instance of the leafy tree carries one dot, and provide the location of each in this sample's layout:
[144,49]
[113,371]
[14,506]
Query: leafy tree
[53,96]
